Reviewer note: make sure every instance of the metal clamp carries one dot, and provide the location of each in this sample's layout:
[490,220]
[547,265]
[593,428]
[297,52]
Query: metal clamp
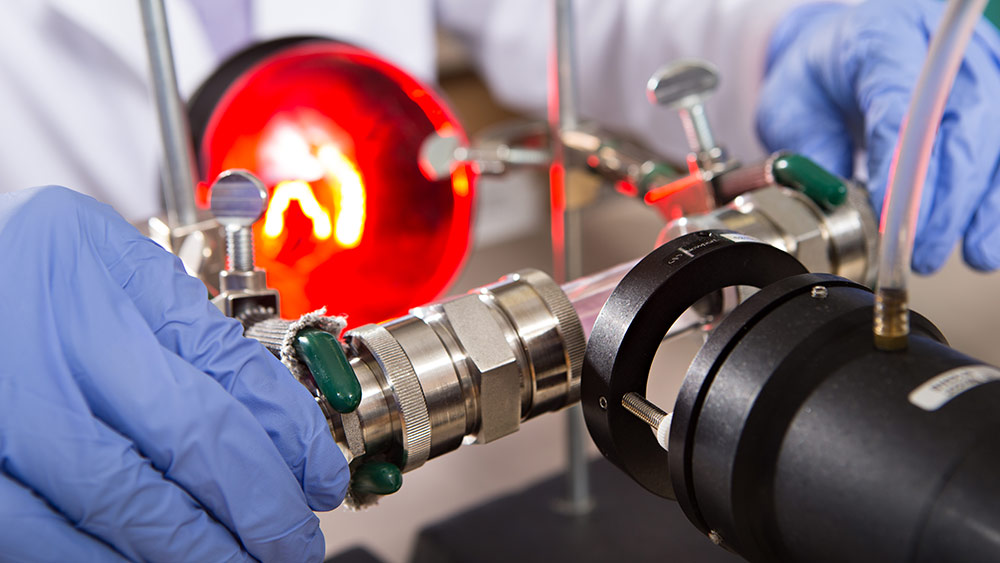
[632,324]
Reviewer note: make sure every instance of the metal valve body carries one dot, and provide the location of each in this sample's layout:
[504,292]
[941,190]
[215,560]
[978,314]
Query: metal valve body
[467,369]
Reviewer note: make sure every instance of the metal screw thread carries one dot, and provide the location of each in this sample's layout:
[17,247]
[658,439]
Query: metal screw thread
[239,249]
[643,409]
[892,319]
[697,129]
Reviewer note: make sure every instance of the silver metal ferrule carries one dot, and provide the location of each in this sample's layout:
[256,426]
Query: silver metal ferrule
[467,369]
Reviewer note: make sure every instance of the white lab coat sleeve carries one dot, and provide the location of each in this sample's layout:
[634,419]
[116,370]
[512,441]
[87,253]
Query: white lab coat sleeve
[620,44]
[399,30]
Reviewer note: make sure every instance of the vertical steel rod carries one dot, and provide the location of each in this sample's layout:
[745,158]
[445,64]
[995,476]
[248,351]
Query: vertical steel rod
[566,251]
[566,93]
[178,169]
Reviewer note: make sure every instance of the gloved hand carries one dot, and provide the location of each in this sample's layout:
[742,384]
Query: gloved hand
[135,420]
[841,77]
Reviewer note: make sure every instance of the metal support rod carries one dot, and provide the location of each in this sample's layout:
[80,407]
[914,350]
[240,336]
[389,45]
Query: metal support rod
[566,251]
[579,499]
[566,92]
[178,169]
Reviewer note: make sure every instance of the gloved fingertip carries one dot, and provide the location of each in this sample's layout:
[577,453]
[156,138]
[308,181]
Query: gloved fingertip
[983,255]
[832,153]
[326,486]
[930,257]
[825,141]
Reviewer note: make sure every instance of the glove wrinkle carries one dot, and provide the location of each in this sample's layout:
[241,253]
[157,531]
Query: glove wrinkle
[190,443]
[834,71]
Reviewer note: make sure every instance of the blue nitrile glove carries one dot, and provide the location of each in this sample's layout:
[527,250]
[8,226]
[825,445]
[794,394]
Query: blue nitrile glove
[841,77]
[135,419]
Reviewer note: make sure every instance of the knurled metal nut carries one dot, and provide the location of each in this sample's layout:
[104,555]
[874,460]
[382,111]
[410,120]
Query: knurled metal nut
[399,374]
[574,340]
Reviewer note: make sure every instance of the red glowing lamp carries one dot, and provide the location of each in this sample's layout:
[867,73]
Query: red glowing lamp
[352,223]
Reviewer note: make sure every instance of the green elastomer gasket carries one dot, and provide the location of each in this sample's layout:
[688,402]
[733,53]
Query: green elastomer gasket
[322,354]
[380,478]
[797,171]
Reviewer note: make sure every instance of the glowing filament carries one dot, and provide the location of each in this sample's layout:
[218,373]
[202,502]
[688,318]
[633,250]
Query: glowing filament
[349,201]
[341,171]
[300,191]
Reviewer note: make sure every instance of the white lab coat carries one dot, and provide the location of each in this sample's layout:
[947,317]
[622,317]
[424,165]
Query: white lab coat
[76,107]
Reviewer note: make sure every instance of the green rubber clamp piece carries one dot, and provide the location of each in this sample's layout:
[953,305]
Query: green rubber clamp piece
[992,13]
[380,478]
[655,176]
[322,354]
[797,171]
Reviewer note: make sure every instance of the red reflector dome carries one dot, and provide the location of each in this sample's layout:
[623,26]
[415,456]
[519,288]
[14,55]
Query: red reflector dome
[352,224]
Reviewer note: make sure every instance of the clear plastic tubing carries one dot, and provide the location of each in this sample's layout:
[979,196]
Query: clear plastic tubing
[902,201]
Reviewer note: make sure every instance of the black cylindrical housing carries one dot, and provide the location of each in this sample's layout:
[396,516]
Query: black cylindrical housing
[794,439]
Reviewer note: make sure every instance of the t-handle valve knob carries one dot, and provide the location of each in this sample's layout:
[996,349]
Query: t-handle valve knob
[238,200]
[684,85]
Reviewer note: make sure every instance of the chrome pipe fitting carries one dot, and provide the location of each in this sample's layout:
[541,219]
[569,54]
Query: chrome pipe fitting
[840,241]
[464,370]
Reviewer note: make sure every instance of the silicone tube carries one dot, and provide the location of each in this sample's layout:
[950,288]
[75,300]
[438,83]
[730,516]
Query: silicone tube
[902,200]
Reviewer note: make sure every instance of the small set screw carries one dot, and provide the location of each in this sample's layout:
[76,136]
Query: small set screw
[657,419]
